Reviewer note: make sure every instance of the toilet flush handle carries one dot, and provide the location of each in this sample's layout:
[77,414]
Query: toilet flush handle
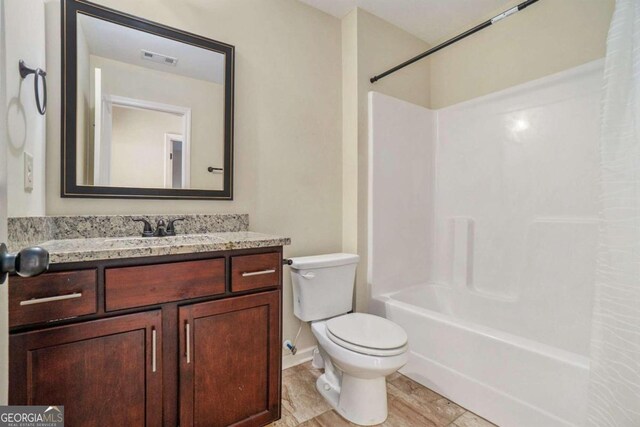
[310,275]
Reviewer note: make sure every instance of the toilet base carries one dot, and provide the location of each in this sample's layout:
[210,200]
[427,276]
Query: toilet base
[361,401]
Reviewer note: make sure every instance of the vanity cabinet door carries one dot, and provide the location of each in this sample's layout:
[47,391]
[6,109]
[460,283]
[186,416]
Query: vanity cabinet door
[105,372]
[230,361]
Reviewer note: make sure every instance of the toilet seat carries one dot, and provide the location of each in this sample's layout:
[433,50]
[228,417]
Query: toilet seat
[367,334]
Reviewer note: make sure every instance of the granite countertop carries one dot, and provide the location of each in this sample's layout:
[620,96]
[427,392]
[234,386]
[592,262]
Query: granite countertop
[99,237]
[101,248]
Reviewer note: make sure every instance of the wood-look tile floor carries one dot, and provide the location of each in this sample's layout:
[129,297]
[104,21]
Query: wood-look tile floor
[410,404]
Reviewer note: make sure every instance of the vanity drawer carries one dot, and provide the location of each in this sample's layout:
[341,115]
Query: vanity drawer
[130,287]
[255,271]
[52,296]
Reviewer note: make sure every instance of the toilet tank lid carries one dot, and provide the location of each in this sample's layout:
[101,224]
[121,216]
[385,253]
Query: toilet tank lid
[320,261]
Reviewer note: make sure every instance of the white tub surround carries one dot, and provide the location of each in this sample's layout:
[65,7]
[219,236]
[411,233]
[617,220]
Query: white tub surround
[483,238]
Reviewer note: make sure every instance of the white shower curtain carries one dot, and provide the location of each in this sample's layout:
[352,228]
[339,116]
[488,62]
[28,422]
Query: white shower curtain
[614,394]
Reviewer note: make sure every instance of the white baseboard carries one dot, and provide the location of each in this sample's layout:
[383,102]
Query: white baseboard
[303,355]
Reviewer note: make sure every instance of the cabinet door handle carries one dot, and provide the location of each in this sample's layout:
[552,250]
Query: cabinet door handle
[50,299]
[188,342]
[153,349]
[258,273]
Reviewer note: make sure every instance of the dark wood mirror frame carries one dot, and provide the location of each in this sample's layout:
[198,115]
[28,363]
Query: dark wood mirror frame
[69,186]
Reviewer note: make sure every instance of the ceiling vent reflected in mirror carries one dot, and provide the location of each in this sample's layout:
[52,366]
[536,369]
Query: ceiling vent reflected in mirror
[158,57]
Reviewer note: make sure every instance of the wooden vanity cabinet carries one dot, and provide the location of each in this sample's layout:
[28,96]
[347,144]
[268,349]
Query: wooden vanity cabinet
[196,354]
[104,372]
[230,363]
[52,296]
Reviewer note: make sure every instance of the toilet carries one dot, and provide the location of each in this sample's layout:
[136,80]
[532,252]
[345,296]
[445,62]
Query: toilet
[356,350]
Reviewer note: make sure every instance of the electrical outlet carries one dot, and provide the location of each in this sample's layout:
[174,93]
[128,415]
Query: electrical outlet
[28,172]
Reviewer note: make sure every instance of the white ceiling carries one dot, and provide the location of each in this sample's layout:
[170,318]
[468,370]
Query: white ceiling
[430,20]
[124,44]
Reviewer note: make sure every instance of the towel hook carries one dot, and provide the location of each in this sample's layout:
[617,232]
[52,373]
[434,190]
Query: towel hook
[38,73]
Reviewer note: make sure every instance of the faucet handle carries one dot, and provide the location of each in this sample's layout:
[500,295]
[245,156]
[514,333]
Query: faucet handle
[171,228]
[148,230]
[161,228]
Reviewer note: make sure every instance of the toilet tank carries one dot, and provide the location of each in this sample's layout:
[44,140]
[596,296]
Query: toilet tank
[323,285]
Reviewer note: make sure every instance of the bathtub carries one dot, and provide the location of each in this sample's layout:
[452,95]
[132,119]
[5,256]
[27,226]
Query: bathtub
[482,238]
[463,346]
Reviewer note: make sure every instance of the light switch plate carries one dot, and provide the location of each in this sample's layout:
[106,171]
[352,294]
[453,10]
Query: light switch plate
[28,172]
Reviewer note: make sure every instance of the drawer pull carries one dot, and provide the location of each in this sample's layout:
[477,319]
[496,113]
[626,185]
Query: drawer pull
[258,273]
[153,350]
[188,342]
[50,299]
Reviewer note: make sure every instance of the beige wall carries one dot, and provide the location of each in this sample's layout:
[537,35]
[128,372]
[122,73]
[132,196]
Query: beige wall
[25,39]
[288,121]
[370,46]
[546,38]
[350,132]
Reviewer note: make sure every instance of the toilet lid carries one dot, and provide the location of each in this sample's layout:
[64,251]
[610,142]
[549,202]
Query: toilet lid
[366,331]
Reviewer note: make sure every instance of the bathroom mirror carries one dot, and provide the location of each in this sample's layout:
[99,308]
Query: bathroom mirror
[147,109]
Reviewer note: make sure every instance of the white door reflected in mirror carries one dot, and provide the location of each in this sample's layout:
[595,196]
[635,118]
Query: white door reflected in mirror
[132,145]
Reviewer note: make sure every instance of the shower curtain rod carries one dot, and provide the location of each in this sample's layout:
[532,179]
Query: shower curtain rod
[457,38]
